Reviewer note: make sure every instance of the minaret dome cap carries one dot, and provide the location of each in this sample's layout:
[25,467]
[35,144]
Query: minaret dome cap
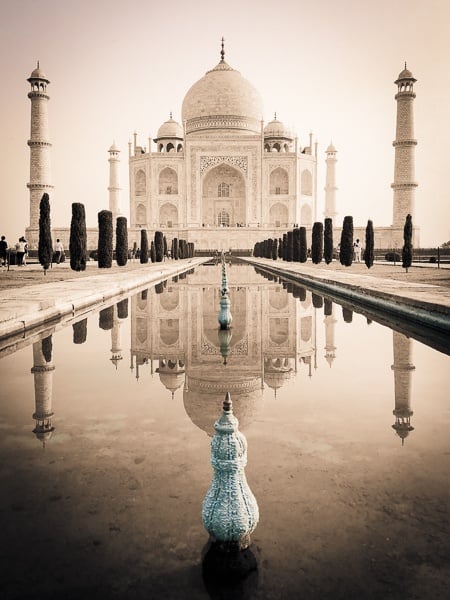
[405,75]
[114,148]
[331,148]
[38,73]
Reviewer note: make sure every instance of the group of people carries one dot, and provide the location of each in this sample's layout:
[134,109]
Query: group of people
[21,248]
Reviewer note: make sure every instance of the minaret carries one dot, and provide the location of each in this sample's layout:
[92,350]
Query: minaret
[404,185]
[40,172]
[330,183]
[43,383]
[402,368]
[116,339]
[114,189]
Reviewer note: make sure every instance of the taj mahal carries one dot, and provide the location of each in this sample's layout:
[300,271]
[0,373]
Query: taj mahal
[223,179]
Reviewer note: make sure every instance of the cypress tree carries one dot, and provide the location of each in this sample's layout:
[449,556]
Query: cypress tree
[346,251]
[159,246]
[105,239]
[328,241]
[303,246]
[165,246]
[45,247]
[317,243]
[121,241]
[78,238]
[144,247]
[191,249]
[296,242]
[290,246]
[275,249]
[369,248]
[280,248]
[407,243]
[152,252]
[269,248]
[284,253]
[175,248]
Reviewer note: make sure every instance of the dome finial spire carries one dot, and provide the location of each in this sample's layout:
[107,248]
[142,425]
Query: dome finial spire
[222,52]
[38,64]
[170,114]
[275,116]
[405,64]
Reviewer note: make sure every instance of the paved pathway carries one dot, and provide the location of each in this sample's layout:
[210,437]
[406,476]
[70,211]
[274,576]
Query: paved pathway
[424,303]
[22,308]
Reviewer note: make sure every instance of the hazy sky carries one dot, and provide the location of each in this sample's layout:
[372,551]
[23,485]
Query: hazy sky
[326,66]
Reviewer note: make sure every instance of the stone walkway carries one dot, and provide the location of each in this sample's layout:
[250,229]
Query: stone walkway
[426,304]
[64,292]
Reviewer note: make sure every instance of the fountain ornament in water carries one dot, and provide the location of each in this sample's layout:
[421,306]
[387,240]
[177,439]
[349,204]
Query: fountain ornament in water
[230,511]
[224,317]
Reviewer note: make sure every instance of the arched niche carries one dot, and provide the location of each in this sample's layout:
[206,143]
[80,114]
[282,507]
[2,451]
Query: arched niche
[141,214]
[168,215]
[306,182]
[278,215]
[140,184]
[306,215]
[306,328]
[169,331]
[279,181]
[279,330]
[169,300]
[168,181]
[223,192]
[278,299]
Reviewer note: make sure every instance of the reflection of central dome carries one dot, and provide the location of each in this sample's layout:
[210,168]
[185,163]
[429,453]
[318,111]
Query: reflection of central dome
[222,99]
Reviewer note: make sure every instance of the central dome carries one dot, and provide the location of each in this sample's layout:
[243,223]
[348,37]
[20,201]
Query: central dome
[222,99]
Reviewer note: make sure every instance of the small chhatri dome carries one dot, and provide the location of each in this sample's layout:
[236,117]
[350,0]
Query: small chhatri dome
[277,129]
[405,74]
[170,129]
[38,73]
[222,99]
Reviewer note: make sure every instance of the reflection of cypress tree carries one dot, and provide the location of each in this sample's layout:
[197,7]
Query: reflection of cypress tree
[105,239]
[328,241]
[175,278]
[303,245]
[122,309]
[317,300]
[183,275]
[159,288]
[347,314]
[328,307]
[369,321]
[106,318]
[47,347]
[79,332]
[144,294]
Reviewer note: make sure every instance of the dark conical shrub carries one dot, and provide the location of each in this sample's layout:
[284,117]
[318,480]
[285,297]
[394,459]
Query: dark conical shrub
[317,243]
[328,241]
[346,249]
[106,318]
[175,248]
[290,246]
[79,332]
[144,247]
[122,309]
[165,246]
[407,243]
[303,246]
[285,243]
[280,247]
[121,241]
[105,239]
[45,246]
[296,245]
[78,238]
[369,248]
[152,252]
[159,246]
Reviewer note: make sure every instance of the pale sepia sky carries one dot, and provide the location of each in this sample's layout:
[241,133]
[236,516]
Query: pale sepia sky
[324,66]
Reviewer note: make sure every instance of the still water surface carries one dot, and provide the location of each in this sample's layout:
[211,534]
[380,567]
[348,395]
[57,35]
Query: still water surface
[105,429]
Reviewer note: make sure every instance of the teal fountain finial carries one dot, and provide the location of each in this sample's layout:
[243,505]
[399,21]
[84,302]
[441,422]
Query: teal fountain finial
[230,511]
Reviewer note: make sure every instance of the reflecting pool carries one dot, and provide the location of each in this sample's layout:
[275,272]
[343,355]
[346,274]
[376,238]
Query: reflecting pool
[105,429]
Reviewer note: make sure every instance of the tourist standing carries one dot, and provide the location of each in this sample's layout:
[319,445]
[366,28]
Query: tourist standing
[3,251]
[20,251]
[358,248]
[59,249]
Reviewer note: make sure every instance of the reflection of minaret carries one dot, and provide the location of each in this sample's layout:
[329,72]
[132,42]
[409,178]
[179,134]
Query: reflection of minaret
[330,323]
[330,185]
[402,368]
[116,340]
[43,378]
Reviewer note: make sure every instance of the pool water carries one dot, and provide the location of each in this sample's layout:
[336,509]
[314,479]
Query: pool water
[105,430]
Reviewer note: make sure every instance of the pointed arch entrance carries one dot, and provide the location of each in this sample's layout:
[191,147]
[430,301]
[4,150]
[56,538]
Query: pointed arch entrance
[223,197]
